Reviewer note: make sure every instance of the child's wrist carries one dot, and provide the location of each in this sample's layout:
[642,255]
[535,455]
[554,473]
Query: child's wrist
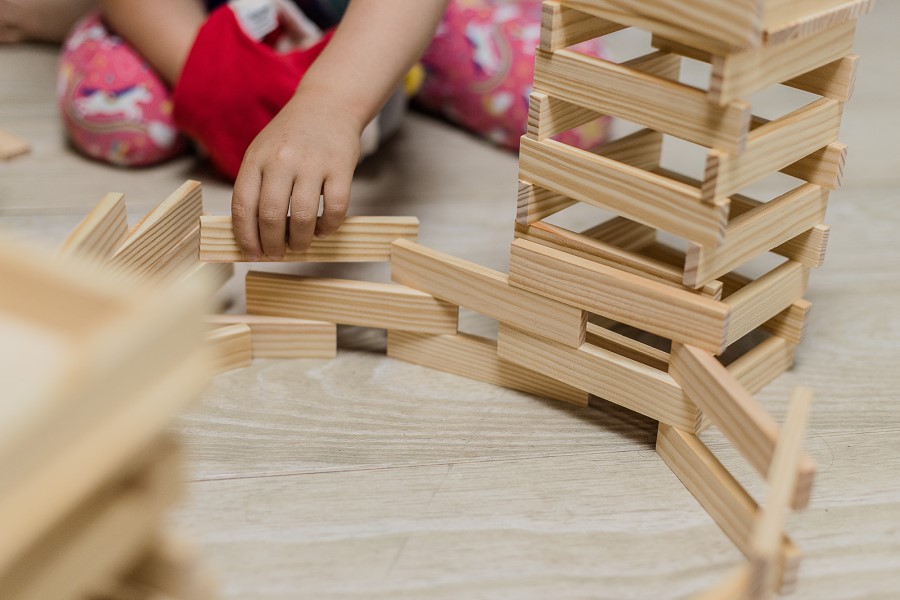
[326,100]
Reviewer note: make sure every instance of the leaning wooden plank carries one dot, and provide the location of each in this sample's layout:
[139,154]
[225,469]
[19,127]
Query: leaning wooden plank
[181,258]
[603,373]
[102,538]
[793,19]
[360,239]
[763,364]
[476,358]
[485,291]
[101,232]
[283,337]
[760,229]
[232,347]
[623,233]
[717,491]
[562,26]
[673,313]
[595,250]
[649,100]
[347,302]
[161,228]
[732,409]
[764,298]
[772,147]
[643,196]
[12,145]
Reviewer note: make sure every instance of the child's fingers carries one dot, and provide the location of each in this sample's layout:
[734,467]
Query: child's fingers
[274,199]
[304,208]
[244,210]
[337,199]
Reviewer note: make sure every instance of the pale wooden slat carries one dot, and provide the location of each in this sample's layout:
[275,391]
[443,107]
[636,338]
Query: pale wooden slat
[622,233]
[231,347]
[763,364]
[562,26]
[283,337]
[101,232]
[765,297]
[12,145]
[792,20]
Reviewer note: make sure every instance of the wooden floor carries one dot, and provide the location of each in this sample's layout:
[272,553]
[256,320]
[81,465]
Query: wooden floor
[364,477]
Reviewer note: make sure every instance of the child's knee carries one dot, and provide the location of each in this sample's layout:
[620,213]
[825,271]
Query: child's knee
[114,106]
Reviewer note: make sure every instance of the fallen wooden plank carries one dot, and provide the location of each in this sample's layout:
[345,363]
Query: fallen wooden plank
[360,239]
[673,313]
[476,358]
[283,337]
[562,26]
[232,348]
[101,232]
[649,100]
[485,291]
[719,493]
[764,298]
[12,145]
[603,373]
[731,408]
[761,365]
[347,302]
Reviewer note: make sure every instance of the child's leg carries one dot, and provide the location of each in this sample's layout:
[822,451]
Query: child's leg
[480,69]
[39,20]
[114,106]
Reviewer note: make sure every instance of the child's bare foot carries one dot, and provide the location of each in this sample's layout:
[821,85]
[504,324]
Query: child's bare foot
[39,20]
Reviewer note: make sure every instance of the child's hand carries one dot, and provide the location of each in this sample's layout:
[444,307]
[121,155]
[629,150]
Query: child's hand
[309,149]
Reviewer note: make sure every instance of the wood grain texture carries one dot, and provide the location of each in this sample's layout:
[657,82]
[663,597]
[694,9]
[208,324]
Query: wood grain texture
[476,358]
[632,299]
[348,302]
[764,298]
[12,145]
[764,363]
[562,26]
[231,347]
[622,233]
[101,232]
[643,98]
[485,291]
[733,409]
[360,239]
[283,337]
[791,20]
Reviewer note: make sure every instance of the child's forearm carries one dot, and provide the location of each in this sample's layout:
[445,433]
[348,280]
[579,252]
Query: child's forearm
[162,31]
[373,48]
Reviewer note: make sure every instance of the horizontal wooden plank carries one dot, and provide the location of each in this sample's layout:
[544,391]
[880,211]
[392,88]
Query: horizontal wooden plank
[824,167]
[622,233]
[786,20]
[601,337]
[731,408]
[101,232]
[764,298]
[12,145]
[360,239]
[485,291]
[283,337]
[563,26]
[762,228]
[639,195]
[603,373]
[348,302]
[231,346]
[627,298]
[476,358]
[649,100]
[761,365]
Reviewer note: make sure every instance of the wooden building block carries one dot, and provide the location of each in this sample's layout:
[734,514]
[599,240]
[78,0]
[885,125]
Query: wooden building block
[773,146]
[763,364]
[283,337]
[101,232]
[179,259]
[231,346]
[12,146]
[642,196]
[347,302]
[602,337]
[764,227]
[627,298]
[824,167]
[785,20]
[562,26]
[731,408]
[726,501]
[835,80]
[485,291]
[360,239]
[764,298]
[476,358]
[102,538]
[161,229]
[603,373]
[622,233]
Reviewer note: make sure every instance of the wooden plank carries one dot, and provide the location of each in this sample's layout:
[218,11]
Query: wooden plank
[603,373]
[12,145]
[717,491]
[824,167]
[283,337]
[772,147]
[622,233]
[761,365]
[534,203]
[181,258]
[762,228]
[632,299]
[360,239]
[476,358]
[646,99]
[732,409]
[794,19]
[347,302]
[102,538]
[172,568]
[595,250]
[485,291]
[622,345]
[161,228]
[765,297]
[639,195]
[232,348]
[562,26]
[101,232]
